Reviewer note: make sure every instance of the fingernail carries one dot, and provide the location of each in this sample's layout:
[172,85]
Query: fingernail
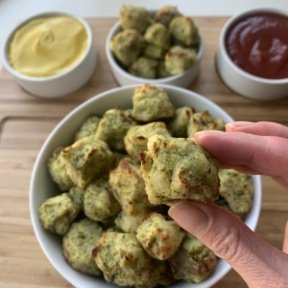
[238,124]
[199,135]
[190,216]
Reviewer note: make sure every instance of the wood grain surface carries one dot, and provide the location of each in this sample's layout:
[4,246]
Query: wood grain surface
[25,122]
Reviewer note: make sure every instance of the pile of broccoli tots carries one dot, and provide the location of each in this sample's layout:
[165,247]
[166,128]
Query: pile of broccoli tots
[155,45]
[113,184]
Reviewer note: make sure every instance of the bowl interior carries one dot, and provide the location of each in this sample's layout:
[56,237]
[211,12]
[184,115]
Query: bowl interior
[42,187]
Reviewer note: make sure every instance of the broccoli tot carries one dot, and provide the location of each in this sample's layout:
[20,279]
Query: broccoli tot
[166,14]
[127,46]
[136,18]
[57,213]
[204,121]
[179,59]
[162,71]
[178,168]
[129,223]
[154,52]
[179,124]
[77,195]
[113,127]
[144,67]
[193,262]
[137,137]
[184,31]
[99,203]
[159,237]
[158,35]
[78,244]
[57,169]
[124,262]
[151,103]
[86,159]
[128,187]
[236,189]
[71,165]
[88,128]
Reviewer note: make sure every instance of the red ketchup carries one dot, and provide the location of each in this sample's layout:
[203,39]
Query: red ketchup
[258,43]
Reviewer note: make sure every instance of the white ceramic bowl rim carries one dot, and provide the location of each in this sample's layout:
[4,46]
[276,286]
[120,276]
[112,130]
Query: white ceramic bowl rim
[223,34]
[8,39]
[251,222]
[111,58]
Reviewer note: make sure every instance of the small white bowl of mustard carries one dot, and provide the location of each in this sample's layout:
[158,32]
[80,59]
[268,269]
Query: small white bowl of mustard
[50,54]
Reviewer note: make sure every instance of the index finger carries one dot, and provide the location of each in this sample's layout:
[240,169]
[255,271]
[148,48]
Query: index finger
[263,128]
[265,155]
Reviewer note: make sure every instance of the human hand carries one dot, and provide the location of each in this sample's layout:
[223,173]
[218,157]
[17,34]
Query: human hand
[256,148]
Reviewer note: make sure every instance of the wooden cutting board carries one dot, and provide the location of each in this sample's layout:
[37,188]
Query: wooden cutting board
[25,122]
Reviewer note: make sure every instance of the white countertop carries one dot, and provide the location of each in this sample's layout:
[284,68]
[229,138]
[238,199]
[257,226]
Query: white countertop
[14,11]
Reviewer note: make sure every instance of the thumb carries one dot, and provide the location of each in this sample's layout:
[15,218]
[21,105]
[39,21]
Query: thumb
[230,239]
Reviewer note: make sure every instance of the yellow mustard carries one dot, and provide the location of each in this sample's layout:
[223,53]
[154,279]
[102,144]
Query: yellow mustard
[48,46]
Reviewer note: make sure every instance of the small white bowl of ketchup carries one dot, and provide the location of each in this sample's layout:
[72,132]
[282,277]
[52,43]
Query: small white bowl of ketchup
[252,58]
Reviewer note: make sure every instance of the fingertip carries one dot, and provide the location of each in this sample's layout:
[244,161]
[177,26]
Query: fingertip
[233,126]
[176,208]
[189,216]
[203,135]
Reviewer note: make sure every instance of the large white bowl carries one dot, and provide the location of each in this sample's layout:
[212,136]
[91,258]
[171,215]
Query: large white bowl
[125,78]
[240,81]
[42,187]
[60,84]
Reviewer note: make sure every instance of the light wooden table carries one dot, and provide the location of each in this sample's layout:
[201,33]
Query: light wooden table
[25,122]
